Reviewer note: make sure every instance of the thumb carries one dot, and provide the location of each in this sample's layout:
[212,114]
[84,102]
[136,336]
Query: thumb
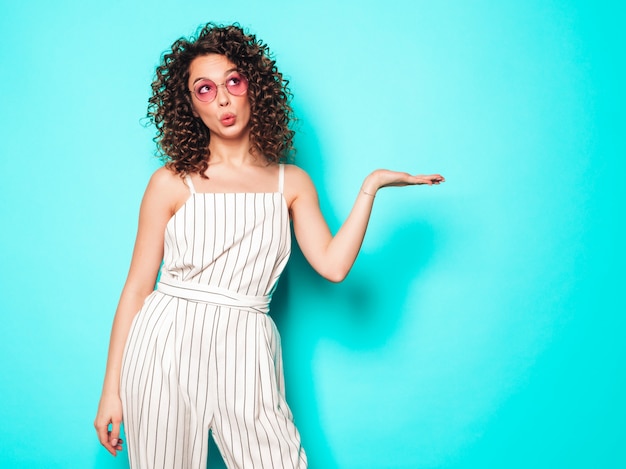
[114,436]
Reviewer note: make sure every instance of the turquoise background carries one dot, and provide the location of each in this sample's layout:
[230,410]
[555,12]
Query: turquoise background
[483,324]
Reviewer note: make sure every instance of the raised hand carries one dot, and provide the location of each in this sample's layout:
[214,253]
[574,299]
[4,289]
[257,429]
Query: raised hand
[386,178]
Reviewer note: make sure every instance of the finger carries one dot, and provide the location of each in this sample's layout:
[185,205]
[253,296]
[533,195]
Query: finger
[114,434]
[103,436]
[113,448]
[119,446]
[432,179]
[422,180]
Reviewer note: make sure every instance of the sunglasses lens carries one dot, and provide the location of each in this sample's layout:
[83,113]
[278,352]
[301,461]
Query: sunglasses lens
[205,90]
[236,84]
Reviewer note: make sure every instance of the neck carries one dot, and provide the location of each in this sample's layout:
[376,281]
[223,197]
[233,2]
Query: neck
[234,152]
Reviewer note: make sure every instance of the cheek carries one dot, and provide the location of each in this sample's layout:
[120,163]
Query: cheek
[246,109]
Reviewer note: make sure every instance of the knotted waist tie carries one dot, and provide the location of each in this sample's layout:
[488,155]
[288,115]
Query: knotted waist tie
[213,295]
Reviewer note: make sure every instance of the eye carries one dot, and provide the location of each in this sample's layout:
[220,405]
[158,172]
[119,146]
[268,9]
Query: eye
[205,87]
[236,84]
[234,80]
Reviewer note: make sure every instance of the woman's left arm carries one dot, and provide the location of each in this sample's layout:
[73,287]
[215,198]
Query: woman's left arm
[333,256]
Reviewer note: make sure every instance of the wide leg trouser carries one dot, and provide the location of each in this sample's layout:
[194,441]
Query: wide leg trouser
[189,367]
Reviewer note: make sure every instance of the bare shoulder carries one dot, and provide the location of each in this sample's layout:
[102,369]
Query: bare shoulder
[296,176]
[294,170]
[166,178]
[168,188]
[298,184]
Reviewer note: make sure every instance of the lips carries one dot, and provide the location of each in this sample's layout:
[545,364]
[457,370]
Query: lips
[228,119]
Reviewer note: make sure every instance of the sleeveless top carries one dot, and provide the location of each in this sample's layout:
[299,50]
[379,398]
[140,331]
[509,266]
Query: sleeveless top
[227,249]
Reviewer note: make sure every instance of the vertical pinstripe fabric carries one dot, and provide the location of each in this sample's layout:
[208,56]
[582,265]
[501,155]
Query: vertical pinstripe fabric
[192,365]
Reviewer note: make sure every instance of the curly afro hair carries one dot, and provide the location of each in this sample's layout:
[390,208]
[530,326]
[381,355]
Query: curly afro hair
[183,139]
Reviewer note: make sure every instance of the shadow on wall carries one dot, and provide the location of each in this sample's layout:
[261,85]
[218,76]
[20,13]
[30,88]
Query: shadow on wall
[365,310]
[362,313]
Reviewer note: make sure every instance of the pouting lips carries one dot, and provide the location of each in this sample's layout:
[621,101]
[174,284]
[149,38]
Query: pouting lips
[228,119]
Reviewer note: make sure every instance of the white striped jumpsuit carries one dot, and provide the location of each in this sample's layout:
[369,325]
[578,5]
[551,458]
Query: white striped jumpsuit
[202,353]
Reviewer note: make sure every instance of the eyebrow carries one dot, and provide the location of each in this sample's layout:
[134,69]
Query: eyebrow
[205,78]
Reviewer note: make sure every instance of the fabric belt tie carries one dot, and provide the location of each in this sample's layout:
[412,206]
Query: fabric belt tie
[213,295]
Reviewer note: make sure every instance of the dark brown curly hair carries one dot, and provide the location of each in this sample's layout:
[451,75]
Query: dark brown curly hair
[183,139]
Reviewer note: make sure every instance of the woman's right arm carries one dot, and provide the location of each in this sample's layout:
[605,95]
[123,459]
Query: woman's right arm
[164,194]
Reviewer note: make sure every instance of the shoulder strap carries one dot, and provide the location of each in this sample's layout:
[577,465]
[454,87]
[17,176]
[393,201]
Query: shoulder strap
[192,189]
[281,177]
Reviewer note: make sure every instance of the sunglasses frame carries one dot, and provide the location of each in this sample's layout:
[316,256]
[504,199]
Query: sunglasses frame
[200,83]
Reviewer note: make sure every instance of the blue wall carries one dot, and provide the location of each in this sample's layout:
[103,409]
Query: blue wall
[482,325]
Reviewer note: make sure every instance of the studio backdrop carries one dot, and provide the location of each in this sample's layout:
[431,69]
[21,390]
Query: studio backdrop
[482,325]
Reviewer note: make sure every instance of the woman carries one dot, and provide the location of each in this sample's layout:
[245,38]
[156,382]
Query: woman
[199,352]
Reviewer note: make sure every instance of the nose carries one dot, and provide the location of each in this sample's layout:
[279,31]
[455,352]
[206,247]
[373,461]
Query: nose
[223,96]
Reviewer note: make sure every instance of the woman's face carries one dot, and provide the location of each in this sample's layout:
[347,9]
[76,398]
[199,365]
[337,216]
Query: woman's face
[219,96]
